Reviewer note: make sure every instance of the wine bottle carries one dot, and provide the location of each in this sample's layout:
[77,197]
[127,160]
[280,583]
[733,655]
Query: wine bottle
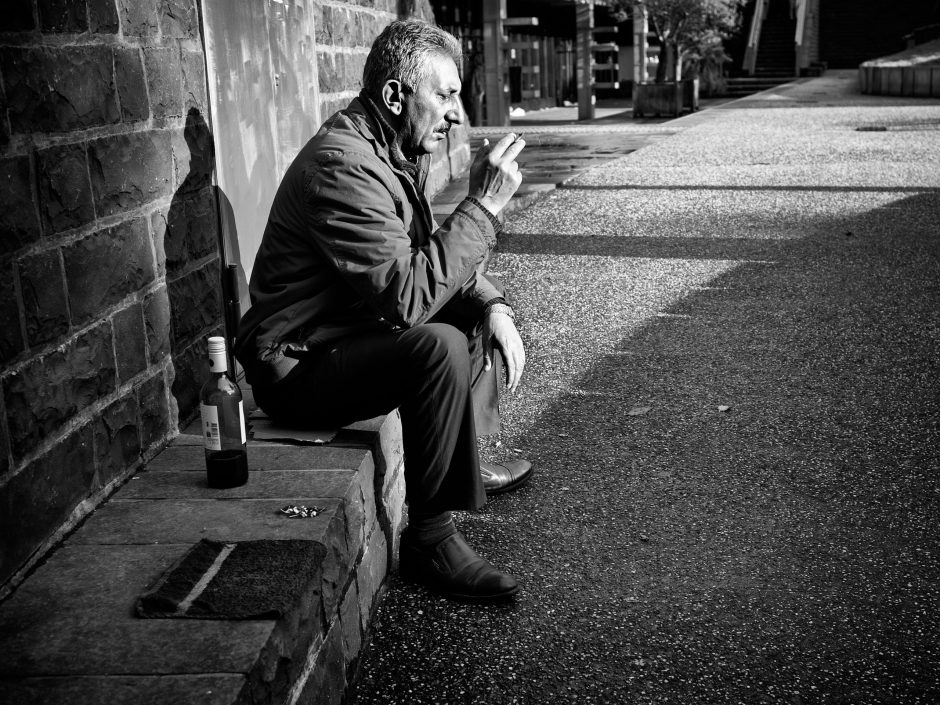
[223,422]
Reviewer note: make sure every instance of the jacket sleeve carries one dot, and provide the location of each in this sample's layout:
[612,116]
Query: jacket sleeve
[357,217]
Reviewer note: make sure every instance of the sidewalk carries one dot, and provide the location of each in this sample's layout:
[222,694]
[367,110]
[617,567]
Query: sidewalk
[731,403]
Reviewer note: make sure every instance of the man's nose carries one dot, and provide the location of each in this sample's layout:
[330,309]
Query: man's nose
[455,115]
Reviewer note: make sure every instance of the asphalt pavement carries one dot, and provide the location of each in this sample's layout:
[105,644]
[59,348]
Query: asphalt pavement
[731,401]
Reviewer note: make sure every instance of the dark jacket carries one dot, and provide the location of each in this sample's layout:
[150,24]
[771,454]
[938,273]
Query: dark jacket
[351,246]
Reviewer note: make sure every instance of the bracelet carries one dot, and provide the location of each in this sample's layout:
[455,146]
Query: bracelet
[497,226]
[501,308]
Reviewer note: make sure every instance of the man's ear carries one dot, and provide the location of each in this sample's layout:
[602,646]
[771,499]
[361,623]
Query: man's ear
[392,95]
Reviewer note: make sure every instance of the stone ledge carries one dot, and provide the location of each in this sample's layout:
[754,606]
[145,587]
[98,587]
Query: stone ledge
[69,633]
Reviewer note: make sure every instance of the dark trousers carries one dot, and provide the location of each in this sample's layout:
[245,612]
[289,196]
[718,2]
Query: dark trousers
[433,373]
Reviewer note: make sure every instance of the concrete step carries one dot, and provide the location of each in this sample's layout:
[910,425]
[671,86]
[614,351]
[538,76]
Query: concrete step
[69,633]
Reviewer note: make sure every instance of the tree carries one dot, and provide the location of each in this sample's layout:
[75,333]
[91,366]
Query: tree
[683,27]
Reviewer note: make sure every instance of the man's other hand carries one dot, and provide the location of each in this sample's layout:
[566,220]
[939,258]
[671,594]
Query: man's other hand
[494,174]
[499,329]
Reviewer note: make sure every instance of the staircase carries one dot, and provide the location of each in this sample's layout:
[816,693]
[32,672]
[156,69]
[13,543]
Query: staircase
[776,53]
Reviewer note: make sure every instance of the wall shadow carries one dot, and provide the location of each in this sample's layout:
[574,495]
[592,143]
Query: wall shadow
[196,248]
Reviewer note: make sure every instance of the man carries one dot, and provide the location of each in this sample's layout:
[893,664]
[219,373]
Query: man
[361,304]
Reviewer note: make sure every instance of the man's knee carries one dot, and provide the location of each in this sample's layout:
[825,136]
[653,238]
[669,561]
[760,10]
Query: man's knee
[441,346]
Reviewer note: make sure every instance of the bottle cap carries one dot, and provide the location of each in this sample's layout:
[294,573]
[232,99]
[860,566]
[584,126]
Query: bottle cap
[218,361]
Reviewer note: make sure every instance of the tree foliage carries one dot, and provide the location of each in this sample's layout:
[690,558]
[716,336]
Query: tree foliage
[682,26]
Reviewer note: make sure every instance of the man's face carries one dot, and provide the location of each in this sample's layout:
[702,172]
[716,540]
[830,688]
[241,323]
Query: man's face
[431,108]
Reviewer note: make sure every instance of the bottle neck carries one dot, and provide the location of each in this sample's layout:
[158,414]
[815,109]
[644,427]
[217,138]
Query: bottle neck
[218,363]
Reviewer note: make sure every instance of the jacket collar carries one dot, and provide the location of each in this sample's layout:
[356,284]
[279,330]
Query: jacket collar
[386,138]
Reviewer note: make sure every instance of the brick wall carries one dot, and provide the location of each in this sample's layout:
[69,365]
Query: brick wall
[108,251]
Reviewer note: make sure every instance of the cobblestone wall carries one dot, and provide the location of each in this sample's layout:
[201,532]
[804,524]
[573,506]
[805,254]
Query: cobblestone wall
[108,252]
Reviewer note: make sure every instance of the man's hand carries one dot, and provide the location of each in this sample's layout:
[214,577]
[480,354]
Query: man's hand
[498,328]
[494,174]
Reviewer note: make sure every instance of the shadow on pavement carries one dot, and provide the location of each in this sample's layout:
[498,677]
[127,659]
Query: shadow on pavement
[782,550]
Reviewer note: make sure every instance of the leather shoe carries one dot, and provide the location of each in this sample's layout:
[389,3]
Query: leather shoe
[454,569]
[506,477]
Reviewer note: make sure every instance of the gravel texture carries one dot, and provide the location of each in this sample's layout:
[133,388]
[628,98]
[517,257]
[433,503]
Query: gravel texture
[732,406]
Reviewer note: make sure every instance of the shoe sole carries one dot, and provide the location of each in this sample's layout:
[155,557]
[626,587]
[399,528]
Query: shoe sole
[479,599]
[514,485]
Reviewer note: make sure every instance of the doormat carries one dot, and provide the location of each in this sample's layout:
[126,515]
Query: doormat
[239,580]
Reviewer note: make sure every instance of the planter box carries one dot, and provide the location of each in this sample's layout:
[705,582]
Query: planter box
[668,99]
[690,94]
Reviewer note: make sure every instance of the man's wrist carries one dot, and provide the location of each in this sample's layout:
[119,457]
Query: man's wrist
[500,306]
[497,226]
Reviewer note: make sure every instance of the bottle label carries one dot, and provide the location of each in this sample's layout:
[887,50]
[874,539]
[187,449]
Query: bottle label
[211,431]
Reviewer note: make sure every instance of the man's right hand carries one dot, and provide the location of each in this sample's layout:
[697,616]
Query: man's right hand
[494,174]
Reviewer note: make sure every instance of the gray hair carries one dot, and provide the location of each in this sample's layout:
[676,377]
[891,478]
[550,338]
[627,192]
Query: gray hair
[403,51]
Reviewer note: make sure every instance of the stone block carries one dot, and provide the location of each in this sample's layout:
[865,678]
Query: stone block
[129,77]
[178,19]
[57,89]
[327,682]
[106,266]
[12,342]
[352,68]
[195,304]
[187,231]
[370,27]
[62,16]
[190,370]
[194,81]
[157,324]
[154,411]
[5,464]
[352,627]
[42,285]
[71,646]
[343,27]
[195,689]
[269,457]
[117,440]
[138,18]
[357,521]
[921,81]
[339,564]
[270,484]
[321,15]
[50,390]
[17,16]
[332,105]
[329,71]
[64,188]
[38,499]
[130,170]
[102,17]
[892,80]
[188,521]
[164,81]
[130,347]
[19,222]
[193,154]
[371,574]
